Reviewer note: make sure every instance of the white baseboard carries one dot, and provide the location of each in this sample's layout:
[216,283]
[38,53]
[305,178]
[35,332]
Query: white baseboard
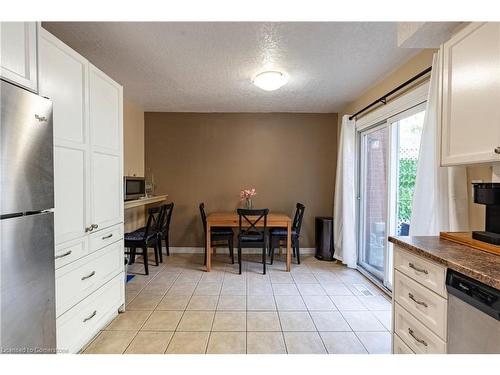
[200,250]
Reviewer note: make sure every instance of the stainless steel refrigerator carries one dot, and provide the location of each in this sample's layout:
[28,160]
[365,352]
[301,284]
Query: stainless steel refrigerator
[27,279]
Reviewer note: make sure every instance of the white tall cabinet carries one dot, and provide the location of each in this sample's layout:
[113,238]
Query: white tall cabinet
[470,102]
[18,53]
[88,164]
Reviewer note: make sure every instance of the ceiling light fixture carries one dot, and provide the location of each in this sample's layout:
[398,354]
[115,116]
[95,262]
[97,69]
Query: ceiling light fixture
[270,81]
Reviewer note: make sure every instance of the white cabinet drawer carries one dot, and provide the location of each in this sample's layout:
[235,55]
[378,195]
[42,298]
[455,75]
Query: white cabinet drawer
[78,325]
[105,237]
[427,273]
[77,280]
[399,347]
[71,251]
[425,305]
[419,338]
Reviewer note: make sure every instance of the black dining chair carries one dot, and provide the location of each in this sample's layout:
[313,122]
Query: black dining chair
[217,234]
[146,238]
[165,227]
[280,234]
[250,235]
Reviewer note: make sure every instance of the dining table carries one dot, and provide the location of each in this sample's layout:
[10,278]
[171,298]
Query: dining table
[231,219]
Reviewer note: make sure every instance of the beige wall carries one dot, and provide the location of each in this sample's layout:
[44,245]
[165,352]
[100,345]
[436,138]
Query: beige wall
[133,139]
[210,157]
[409,69]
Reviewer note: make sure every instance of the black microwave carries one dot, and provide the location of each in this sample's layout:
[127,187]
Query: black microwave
[134,187]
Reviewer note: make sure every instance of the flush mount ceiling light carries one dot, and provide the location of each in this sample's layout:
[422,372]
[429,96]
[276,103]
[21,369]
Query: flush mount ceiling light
[270,81]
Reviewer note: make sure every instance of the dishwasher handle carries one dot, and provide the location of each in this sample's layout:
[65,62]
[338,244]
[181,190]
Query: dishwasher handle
[481,296]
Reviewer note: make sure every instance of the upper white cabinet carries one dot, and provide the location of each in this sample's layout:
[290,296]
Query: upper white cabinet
[63,76]
[18,53]
[470,123]
[105,101]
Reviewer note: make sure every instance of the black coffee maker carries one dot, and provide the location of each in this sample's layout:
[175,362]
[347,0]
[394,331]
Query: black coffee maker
[489,195]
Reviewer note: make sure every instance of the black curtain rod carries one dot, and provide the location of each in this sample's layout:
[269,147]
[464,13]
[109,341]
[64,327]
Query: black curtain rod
[383,99]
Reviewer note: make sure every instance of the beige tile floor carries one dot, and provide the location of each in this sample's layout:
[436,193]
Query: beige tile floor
[180,309]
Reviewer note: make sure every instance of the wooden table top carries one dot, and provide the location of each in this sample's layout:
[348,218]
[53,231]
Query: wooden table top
[232,219]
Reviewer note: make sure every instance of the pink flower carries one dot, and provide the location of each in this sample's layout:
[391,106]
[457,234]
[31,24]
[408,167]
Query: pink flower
[247,193]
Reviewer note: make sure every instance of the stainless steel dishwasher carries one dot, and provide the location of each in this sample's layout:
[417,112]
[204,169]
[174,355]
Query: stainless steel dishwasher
[473,316]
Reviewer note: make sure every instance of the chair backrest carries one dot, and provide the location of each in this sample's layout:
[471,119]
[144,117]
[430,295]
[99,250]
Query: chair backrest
[167,216]
[154,221]
[203,217]
[297,219]
[248,220]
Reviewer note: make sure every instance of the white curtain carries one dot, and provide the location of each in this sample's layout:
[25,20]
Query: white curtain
[440,198]
[344,223]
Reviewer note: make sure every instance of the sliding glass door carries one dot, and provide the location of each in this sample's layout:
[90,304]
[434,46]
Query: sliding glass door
[388,155]
[373,208]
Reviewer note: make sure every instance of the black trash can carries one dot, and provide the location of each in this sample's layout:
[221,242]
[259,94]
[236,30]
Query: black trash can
[324,238]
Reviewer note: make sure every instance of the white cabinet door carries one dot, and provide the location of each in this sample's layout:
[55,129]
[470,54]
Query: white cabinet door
[107,196]
[106,143]
[63,79]
[70,190]
[470,130]
[106,112]
[18,51]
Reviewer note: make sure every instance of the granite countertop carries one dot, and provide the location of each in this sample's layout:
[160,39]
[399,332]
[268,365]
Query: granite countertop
[477,264]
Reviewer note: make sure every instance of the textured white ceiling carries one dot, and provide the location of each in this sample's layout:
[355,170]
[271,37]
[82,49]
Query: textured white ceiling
[208,66]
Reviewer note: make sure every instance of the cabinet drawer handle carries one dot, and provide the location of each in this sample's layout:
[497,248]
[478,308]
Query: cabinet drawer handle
[88,276]
[90,317]
[412,334]
[497,150]
[89,229]
[412,297]
[64,255]
[95,226]
[108,236]
[421,270]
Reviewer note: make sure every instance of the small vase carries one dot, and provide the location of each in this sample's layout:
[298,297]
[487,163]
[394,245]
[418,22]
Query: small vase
[248,203]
